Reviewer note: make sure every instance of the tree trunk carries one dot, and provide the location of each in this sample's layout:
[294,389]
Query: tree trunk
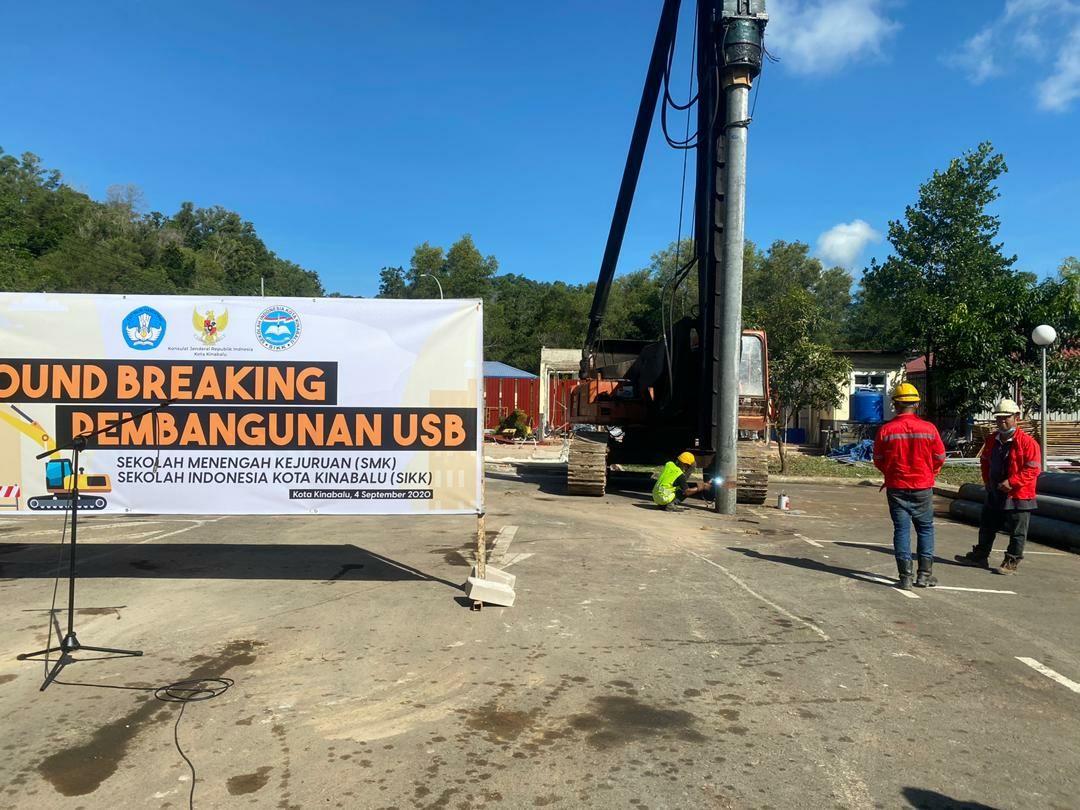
[781,442]
[931,405]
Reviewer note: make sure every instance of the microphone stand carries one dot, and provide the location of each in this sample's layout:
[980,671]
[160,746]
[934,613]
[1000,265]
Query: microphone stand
[70,643]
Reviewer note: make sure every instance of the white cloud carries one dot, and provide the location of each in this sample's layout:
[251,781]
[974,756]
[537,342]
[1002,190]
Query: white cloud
[1039,35]
[1062,87]
[844,243]
[821,36]
[977,57]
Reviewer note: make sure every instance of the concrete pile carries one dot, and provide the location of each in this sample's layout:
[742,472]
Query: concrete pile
[1057,519]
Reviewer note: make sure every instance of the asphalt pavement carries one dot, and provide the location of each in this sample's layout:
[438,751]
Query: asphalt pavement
[651,660]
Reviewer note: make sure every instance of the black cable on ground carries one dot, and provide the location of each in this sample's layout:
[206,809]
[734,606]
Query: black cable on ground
[185,692]
[182,692]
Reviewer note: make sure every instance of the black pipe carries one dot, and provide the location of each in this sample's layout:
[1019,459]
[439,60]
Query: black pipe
[1065,485]
[709,210]
[1051,506]
[1058,532]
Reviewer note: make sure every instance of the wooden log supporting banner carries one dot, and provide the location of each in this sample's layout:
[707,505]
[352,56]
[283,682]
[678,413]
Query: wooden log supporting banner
[481,546]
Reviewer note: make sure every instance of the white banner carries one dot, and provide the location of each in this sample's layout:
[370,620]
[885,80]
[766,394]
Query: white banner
[276,405]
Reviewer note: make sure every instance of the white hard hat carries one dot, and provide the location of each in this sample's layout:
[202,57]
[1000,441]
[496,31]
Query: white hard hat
[1006,407]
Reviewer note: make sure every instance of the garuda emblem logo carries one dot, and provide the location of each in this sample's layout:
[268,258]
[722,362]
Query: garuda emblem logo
[210,328]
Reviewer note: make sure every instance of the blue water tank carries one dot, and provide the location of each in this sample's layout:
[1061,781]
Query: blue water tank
[867,405]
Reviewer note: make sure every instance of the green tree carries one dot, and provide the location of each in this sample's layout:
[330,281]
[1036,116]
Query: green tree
[804,374]
[427,260]
[53,238]
[520,315]
[789,266]
[948,291]
[790,295]
[466,271]
[1054,301]
[392,283]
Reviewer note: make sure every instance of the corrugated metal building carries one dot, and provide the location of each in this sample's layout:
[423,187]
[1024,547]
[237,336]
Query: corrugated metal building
[507,388]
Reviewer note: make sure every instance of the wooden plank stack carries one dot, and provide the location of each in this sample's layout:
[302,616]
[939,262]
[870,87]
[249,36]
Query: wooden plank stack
[1062,438]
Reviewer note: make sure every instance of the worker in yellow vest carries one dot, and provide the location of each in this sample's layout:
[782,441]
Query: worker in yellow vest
[672,486]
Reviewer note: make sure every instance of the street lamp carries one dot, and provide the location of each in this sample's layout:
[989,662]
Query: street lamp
[440,284]
[1043,336]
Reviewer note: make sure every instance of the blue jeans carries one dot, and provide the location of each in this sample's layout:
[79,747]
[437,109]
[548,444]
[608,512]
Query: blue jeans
[907,506]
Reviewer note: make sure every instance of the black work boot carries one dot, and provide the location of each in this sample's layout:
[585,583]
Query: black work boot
[1008,565]
[904,569]
[973,559]
[926,578]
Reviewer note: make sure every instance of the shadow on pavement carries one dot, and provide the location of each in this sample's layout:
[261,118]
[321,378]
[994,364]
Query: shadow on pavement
[889,551]
[932,800]
[551,480]
[548,481]
[815,565]
[211,561]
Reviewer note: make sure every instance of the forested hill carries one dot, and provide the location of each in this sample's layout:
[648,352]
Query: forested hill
[56,239]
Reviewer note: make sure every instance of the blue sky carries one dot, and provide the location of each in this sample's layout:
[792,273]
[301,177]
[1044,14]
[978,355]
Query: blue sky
[350,132]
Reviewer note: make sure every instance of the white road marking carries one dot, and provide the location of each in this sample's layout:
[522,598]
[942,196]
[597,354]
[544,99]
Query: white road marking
[1049,673]
[112,539]
[773,512]
[86,525]
[806,539]
[757,595]
[502,542]
[885,581]
[971,590]
[506,562]
[198,525]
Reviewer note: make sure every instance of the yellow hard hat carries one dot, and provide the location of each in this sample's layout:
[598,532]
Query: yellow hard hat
[686,458]
[905,392]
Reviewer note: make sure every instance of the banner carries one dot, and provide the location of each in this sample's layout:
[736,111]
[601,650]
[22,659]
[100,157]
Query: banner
[276,405]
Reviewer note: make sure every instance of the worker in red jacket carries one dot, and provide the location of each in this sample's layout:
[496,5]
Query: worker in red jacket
[1011,461]
[909,451]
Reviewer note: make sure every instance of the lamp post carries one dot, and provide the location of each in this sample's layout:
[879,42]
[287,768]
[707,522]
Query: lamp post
[1043,336]
[435,280]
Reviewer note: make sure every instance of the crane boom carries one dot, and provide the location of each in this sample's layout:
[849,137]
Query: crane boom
[28,426]
[665,33]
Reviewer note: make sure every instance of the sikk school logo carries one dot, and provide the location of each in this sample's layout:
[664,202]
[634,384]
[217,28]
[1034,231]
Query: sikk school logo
[210,328]
[143,329]
[278,328]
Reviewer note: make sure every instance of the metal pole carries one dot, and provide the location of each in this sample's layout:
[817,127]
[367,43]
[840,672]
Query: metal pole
[1042,436]
[74,537]
[737,92]
[436,280]
[262,285]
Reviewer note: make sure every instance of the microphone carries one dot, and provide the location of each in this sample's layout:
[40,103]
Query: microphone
[157,456]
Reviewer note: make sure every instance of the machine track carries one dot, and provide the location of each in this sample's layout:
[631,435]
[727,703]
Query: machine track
[753,472]
[586,467]
[87,503]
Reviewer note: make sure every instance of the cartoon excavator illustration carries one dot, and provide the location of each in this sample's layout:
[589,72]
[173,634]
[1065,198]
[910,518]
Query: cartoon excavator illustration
[60,479]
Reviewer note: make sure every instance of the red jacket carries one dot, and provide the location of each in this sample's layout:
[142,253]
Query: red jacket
[909,451]
[1024,464]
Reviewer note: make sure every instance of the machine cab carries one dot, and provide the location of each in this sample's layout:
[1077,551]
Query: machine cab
[57,475]
[753,381]
[59,479]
